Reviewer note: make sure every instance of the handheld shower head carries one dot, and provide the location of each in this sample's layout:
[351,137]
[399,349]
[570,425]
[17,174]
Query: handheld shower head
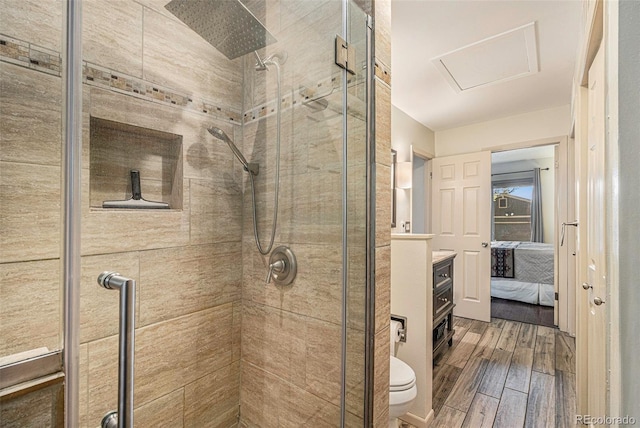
[221,135]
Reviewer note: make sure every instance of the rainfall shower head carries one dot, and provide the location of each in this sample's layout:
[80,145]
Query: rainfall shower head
[221,135]
[226,24]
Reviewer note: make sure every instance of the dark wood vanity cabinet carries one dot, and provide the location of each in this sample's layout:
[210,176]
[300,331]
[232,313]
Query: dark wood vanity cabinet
[442,305]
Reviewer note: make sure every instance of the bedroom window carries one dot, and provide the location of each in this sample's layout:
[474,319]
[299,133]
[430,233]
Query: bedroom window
[512,210]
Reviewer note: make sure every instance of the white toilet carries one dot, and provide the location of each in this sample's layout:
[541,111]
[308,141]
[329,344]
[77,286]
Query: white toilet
[402,390]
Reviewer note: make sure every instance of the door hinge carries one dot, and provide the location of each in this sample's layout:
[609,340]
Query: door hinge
[345,55]
[556,296]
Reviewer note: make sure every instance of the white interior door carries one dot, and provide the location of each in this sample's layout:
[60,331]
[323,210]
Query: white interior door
[596,242]
[461,199]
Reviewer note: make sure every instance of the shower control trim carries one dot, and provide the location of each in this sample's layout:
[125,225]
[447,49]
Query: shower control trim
[283,266]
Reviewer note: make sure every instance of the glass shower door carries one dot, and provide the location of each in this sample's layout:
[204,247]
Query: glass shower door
[30,215]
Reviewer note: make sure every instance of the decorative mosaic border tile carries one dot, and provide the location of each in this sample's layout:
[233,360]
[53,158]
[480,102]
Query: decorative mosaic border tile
[304,95]
[25,54]
[95,75]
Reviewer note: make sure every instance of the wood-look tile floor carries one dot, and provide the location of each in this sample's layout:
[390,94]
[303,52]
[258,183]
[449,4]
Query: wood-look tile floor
[505,374]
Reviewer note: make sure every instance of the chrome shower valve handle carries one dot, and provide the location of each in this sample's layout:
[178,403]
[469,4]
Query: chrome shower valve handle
[283,266]
[278,266]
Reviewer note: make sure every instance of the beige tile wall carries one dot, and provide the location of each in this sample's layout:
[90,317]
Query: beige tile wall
[382,15]
[186,260]
[291,344]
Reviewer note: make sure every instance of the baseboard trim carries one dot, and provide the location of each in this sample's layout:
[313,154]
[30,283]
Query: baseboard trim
[417,421]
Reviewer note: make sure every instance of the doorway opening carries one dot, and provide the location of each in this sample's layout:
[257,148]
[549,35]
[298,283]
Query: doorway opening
[523,212]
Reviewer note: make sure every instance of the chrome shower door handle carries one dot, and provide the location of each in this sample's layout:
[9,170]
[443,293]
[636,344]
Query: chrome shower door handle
[123,418]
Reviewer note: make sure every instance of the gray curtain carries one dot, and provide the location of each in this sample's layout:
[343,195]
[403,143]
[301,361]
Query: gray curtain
[537,234]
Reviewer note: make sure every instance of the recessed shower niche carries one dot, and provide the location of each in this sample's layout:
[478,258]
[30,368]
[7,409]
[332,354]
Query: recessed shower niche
[117,148]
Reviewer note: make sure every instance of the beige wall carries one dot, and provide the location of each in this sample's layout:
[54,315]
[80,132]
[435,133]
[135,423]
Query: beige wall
[537,125]
[406,133]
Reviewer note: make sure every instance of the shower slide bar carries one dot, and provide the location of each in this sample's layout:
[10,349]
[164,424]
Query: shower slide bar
[123,417]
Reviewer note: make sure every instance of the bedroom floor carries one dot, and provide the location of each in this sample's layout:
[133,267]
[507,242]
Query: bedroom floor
[504,374]
[523,312]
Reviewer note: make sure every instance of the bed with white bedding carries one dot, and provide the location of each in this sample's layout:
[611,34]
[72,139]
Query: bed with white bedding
[523,271]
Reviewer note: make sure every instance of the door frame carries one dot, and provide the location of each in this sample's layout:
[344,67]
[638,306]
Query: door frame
[564,316]
[417,152]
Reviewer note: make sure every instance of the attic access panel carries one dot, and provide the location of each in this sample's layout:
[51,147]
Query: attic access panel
[500,58]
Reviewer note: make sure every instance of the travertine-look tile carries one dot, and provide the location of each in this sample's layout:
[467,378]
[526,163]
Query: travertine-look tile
[116,149]
[83,393]
[200,69]
[35,409]
[317,290]
[95,301]
[215,211]
[292,11]
[306,41]
[322,360]
[269,401]
[165,411]
[381,374]
[383,287]
[213,400]
[383,205]
[237,328]
[30,308]
[182,280]
[382,10]
[260,394]
[30,107]
[355,373]
[383,124]
[35,21]
[313,221]
[112,35]
[204,156]
[30,226]
[168,355]
[274,340]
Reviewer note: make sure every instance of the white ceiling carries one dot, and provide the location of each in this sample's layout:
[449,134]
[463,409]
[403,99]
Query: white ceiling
[425,29]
